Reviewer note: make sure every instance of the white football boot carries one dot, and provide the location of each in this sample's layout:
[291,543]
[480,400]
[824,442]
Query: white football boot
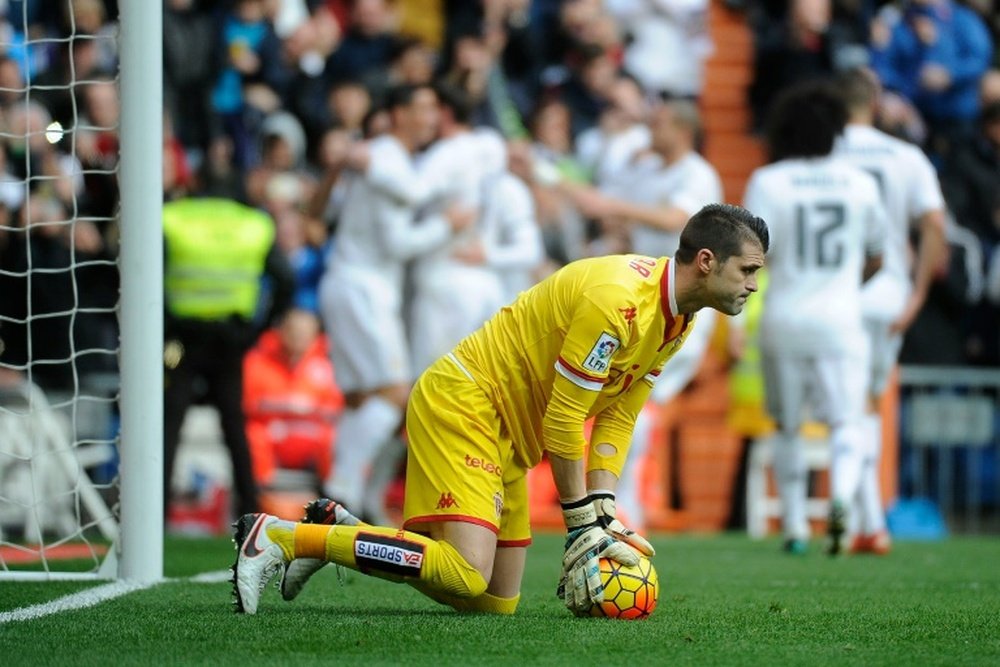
[258,558]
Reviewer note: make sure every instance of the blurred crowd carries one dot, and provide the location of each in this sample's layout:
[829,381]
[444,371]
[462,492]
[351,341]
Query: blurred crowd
[269,103]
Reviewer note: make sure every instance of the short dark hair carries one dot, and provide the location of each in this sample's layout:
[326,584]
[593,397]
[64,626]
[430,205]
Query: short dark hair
[456,100]
[723,229]
[402,95]
[805,121]
[401,45]
[858,87]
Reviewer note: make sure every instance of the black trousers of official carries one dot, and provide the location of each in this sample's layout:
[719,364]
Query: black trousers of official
[213,352]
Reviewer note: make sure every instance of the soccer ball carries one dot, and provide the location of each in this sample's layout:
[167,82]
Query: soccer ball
[630,592]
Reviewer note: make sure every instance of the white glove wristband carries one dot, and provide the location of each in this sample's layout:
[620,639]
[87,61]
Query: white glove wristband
[579,514]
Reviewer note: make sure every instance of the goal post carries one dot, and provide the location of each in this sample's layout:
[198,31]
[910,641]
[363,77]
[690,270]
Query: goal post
[141,267]
[81,497]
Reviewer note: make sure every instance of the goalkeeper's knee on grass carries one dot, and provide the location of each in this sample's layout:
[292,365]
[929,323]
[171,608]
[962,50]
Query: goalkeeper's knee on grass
[396,555]
[485,603]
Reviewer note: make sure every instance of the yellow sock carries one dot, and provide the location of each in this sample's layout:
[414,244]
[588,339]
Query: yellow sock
[489,604]
[310,540]
[485,603]
[393,554]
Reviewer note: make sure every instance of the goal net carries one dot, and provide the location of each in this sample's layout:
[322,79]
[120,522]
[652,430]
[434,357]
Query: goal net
[63,226]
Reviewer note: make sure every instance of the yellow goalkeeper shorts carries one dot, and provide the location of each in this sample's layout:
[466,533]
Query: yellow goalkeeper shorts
[460,463]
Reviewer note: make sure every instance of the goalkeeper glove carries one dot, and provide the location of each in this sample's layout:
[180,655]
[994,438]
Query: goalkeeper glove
[604,505]
[580,585]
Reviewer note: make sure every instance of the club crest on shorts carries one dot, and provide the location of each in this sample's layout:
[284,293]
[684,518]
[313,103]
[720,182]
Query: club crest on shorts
[498,503]
[600,355]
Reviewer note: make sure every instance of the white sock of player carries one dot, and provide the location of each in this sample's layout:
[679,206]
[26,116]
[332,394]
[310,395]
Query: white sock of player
[627,490]
[847,448]
[790,474]
[361,434]
[872,513]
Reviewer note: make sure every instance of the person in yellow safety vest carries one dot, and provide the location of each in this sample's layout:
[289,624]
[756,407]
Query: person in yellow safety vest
[747,415]
[225,281]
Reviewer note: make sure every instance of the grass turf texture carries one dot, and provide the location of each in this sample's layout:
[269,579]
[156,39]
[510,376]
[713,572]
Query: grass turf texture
[723,601]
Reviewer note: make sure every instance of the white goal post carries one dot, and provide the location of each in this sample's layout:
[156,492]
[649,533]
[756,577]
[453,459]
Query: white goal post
[49,502]
[141,266]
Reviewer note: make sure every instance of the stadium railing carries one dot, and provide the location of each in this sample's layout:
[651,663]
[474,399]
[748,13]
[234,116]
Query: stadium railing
[950,443]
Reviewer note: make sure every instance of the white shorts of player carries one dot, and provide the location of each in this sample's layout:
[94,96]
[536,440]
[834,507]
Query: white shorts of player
[883,299]
[449,303]
[363,318]
[831,387]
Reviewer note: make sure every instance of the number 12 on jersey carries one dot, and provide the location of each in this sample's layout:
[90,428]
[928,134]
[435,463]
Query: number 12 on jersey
[816,240]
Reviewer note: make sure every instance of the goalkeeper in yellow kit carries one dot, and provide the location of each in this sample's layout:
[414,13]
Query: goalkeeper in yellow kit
[585,342]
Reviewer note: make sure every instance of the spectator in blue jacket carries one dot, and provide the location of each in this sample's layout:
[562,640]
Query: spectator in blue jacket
[934,52]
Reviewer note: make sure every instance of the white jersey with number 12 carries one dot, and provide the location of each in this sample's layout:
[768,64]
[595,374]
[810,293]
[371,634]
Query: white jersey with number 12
[824,217]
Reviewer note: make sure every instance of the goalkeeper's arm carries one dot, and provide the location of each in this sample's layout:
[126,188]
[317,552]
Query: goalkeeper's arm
[609,447]
[587,541]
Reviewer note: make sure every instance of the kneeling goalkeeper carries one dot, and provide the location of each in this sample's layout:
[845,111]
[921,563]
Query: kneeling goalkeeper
[586,342]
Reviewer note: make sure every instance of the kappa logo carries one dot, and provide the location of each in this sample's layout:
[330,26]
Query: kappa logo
[628,313]
[446,501]
[599,357]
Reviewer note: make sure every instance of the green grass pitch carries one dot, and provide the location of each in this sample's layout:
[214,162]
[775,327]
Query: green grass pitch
[724,601]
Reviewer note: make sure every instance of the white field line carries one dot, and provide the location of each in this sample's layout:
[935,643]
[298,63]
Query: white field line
[216,577]
[94,596]
[80,600]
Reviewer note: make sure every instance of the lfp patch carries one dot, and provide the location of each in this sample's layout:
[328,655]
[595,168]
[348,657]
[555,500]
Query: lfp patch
[600,355]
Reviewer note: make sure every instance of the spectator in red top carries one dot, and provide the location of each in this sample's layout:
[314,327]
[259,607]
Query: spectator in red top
[291,399]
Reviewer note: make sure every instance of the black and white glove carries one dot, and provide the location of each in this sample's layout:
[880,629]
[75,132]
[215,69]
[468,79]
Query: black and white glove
[604,505]
[580,585]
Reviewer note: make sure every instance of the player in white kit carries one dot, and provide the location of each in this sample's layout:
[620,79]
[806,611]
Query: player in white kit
[622,131]
[361,291]
[509,239]
[827,227]
[912,197]
[657,194]
[456,289]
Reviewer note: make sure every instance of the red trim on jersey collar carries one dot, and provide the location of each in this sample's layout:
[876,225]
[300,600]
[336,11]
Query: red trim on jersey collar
[665,293]
[668,315]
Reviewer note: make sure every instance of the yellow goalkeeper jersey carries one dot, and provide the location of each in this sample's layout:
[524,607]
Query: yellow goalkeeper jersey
[587,341]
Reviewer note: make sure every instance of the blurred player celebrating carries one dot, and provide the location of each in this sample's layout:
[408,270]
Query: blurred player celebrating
[912,197]
[828,225]
[585,342]
[454,296]
[661,189]
[361,292]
